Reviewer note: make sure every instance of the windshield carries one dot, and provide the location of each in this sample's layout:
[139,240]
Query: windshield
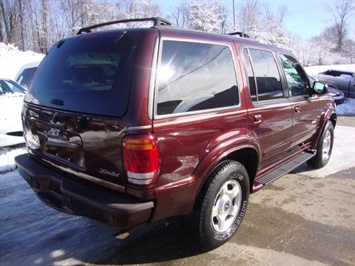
[87,74]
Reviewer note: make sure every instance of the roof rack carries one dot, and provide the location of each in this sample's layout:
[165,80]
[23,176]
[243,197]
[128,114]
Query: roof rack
[158,21]
[240,34]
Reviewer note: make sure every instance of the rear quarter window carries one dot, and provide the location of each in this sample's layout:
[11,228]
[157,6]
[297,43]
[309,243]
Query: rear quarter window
[194,77]
[87,74]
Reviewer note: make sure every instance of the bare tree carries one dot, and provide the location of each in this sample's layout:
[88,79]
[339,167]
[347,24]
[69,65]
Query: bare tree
[2,20]
[43,38]
[22,31]
[10,20]
[180,15]
[249,16]
[75,14]
[260,23]
[207,15]
[138,9]
[273,31]
[342,11]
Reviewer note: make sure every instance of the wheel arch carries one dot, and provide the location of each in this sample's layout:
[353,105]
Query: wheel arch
[329,115]
[247,156]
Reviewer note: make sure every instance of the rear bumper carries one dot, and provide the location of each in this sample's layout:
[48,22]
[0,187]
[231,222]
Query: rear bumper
[81,198]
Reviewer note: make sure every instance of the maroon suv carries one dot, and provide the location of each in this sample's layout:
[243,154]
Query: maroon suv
[135,125]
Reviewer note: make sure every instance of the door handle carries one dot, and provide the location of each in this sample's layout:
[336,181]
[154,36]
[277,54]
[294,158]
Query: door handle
[257,118]
[297,109]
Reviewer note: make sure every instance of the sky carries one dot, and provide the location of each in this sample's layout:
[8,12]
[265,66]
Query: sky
[305,18]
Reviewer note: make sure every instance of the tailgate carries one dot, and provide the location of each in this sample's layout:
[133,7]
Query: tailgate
[86,146]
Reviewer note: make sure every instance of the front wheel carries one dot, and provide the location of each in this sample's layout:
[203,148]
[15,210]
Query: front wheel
[221,205]
[324,147]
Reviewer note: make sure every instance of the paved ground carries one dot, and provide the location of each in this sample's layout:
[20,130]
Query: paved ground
[304,218]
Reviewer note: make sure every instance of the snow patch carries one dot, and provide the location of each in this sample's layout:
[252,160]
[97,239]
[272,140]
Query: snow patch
[315,70]
[11,60]
[346,108]
[7,158]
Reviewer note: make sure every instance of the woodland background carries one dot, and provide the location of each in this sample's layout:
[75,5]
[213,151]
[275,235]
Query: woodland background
[37,24]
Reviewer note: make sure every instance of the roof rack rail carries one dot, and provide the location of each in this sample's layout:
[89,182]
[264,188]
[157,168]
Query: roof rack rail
[158,21]
[240,34]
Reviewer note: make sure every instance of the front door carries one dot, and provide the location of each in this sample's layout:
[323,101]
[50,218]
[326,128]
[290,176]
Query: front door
[306,110]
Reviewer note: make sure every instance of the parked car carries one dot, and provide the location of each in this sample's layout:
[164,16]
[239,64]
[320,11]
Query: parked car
[183,123]
[343,80]
[26,72]
[11,99]
[333,91]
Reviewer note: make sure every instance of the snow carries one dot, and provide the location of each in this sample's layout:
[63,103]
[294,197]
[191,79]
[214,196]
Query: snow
[11,60]
[314,70]
[347,108]
[7,157]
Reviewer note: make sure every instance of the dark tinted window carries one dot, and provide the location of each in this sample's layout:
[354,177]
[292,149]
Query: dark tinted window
[88,74]
[14,87]
[8,86]
[297,80]
[267,76]
[195,76]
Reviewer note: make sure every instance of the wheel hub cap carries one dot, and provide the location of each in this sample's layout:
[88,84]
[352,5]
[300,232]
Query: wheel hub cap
[226,206]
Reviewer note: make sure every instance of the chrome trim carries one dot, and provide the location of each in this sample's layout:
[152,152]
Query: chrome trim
[186,117]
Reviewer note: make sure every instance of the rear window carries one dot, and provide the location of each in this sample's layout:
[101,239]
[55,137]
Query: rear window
[88,74]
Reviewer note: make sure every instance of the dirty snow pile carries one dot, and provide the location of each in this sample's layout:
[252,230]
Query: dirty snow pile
[347,108]
[11,60]
[7,157]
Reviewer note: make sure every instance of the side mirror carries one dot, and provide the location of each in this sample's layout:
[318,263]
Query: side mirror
[320,87]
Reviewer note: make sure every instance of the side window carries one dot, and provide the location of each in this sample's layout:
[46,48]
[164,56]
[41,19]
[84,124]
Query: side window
[267,76]
[297,80]
[195,76]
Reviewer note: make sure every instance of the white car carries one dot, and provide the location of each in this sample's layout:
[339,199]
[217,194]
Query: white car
[11,99]
[26,72]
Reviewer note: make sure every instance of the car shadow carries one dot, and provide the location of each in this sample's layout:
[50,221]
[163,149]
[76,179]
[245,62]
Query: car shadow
[34,234]
[150,243]
[157,242]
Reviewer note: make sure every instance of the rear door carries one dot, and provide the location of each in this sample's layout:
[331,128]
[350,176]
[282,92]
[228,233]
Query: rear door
[197,104]
[270,113]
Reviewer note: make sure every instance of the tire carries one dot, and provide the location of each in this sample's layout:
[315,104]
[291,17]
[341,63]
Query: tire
[221,206]
[324,147]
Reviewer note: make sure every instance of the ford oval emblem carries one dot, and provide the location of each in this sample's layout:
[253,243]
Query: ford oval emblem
[54,133]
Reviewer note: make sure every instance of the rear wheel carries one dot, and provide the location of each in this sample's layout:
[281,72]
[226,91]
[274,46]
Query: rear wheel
[221,206]
[324,147]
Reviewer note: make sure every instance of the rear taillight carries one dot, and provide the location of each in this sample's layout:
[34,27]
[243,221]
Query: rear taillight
[141,159]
